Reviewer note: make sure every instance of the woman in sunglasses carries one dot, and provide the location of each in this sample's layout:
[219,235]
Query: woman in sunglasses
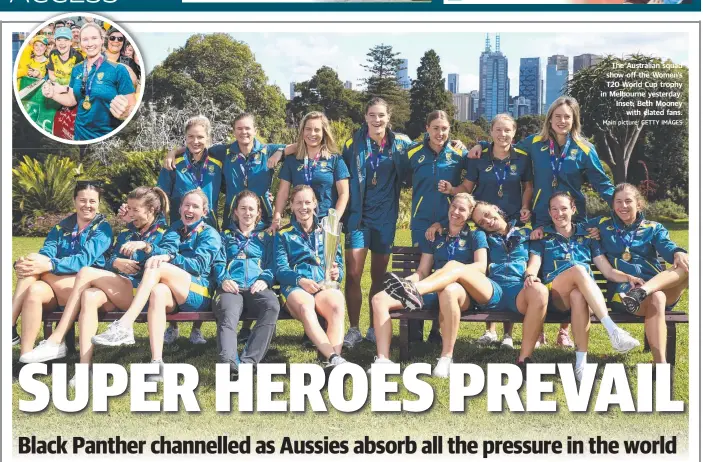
[113,51]
[103,90]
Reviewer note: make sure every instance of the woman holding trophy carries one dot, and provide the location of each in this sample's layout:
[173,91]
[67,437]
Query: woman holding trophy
[308,266]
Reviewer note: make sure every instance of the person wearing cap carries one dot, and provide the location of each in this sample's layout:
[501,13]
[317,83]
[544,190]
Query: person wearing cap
[76,38]
[64,58]
[35,66]
[103,90]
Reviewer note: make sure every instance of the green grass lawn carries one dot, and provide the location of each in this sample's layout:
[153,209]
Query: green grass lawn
[475,423]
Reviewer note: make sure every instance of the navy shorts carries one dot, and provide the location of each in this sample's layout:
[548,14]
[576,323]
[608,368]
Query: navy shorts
[504,297]
[199,296]
[613,296]
[419,240]
[377,240]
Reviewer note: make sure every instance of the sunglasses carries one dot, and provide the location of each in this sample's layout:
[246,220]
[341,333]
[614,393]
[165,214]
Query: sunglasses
[114,38]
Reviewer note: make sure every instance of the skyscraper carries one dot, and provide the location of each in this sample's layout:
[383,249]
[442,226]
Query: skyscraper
[453,83]
[462,102]
[586,60]
[402,75]
[494,86]
[473,105]
[292,90]
[521,106]
[557,76]
[531,83]
[348,85]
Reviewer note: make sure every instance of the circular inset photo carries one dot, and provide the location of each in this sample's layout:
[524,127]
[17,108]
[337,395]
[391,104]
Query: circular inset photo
[78,78]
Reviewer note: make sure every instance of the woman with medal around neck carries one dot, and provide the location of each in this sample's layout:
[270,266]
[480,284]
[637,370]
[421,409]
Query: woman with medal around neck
[245,280]
[316,164]
[45,279]
[180,279]
[455,245]
[300,253]
[501,176]
[103,90]
[111,288]
[565,253]
[631,243]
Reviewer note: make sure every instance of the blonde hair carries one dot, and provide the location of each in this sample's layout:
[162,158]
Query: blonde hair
[503,116]
[88,25]
[199,120]
[198,192]
[639,198]
[329,146]
[572,104]
[468,198]
[301,188]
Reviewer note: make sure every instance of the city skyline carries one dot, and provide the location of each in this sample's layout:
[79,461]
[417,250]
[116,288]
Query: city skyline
[288,57]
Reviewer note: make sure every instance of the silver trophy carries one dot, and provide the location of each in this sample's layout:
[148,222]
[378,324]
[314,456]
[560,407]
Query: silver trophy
[331,227]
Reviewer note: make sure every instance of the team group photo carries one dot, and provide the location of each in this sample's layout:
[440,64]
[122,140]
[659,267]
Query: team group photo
[229,224]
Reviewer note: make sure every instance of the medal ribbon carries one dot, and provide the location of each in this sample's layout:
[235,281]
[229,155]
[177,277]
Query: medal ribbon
[309,170]
[245,164]
[569,250]
[145,236]
[509,240]
[626,237]
[203,169]
[306,240]
[185,235]
[451,247]
[240,246]
[75,236]
[506,168]
[370,156]
[88,84]
[557,162]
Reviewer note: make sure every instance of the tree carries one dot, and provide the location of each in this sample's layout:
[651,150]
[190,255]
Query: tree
[528,125]
[484,124]
[325,92]
[469,133]
[616,128]
[428,94]
[222,70]
[383,65]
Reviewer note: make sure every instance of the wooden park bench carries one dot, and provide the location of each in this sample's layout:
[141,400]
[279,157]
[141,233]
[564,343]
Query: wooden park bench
[407,259]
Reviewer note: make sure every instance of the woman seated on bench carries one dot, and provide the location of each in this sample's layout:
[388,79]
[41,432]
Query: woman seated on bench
[299,254]
[45,279]
[178,280]
[457,244]
[565,253]
[631,244]
[111,287]
[245,281]
[503,289]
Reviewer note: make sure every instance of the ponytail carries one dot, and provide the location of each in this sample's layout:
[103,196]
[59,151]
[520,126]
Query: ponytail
[154,198]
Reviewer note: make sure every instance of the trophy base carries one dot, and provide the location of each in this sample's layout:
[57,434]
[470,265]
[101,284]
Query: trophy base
[330,285]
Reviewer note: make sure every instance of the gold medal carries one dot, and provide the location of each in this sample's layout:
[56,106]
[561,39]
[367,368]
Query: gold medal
[87,104]
[500,191]
[317,259]
[567,257]
[555,183]
[373,180]
[626,255]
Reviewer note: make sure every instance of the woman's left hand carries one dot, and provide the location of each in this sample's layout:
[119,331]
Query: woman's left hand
[458,145]
[258,286]
[334,272]
[594,233]
[155,261]
[531,279]
[29,267]
[130,247]
[445,187]
[634,281]
[119,107]
[681,260]
[525,215]
[274,159]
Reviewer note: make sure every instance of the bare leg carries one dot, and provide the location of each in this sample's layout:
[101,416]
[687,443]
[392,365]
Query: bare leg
[667,279]
[302,306]
[354,262]
[443,277]
[383,304]
[39,297]
[379,265]
[91,301]
[580,319]
[161,302]
[18,297]
[653,310]
[330,304]
[453,300]
[577,277]
[532,303]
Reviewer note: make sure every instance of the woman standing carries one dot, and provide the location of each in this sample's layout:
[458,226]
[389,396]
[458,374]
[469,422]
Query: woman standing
[631,245]
[245,282]
[46,278]
[299,268]
[111,287]
[181,280]
[102,89]
[316,164]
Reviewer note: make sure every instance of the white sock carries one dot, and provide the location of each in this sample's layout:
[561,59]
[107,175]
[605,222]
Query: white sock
[609,325]
[580,359]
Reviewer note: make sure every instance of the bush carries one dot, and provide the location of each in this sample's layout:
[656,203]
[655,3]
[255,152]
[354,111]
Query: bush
[41,225]
[405,208]
[137,169]
[595,206]
[665,210]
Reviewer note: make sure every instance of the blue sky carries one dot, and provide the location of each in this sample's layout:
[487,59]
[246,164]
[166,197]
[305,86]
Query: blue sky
[294,57]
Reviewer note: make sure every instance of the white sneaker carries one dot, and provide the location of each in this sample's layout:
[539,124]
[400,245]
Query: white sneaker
[377,360]
[578,373]
[196,337]
[507,342]
[622,341]
[45,351]
[442,367]
[170,335]
[72,382]
[336,361]
[487,338]
[371,335]
[352,338]
[115,335]
[541,341]
[156,377]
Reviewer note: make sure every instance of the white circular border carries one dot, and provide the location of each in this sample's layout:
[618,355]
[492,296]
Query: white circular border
[142,80]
